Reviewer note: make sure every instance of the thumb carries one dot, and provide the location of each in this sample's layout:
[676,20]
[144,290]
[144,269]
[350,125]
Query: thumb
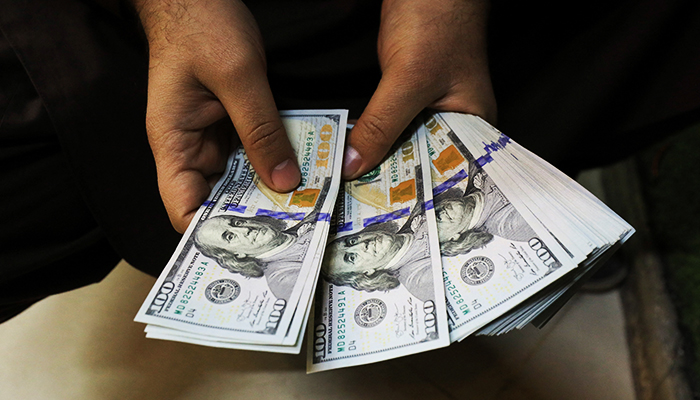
[390,110]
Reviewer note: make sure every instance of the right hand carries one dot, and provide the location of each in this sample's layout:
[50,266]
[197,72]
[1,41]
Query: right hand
[207,64]
[433,55]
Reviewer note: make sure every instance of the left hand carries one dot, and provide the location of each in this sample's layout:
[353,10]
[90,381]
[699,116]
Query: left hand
[432,54]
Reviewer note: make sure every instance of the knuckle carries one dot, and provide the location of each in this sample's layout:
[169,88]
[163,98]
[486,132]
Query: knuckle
[375,133]
[411,68]
[153,124]
[223,69]
[264,136]
[421,83]
[158,137]
[234,66]
[230,63]
[155,134]
[179,221]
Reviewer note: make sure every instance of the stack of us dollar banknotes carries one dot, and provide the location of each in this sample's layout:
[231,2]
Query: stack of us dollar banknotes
[459,231]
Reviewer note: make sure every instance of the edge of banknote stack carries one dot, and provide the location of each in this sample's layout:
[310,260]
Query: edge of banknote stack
[545,233]
[459,231]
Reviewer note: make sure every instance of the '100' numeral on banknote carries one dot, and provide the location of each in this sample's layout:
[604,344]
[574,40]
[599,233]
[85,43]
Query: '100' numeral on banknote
[381,294]
[492,257]
[243,268]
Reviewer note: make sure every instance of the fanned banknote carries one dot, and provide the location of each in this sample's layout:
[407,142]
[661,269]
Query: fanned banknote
[245,269]
[506,238]
[460,231]
[295,331]
[381,294]
[493,256]
[585,228]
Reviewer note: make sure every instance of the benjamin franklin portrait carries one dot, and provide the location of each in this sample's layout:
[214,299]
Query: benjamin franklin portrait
[469,220]
[383,257]
[257,246]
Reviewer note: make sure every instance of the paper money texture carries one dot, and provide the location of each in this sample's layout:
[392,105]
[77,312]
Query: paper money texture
[250,253]
[381,293]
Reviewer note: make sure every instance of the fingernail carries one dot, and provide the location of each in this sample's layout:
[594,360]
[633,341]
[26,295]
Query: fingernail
[351,162]
[286,176]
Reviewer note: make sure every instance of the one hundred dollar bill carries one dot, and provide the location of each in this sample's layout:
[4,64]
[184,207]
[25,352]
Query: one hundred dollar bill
[494,255]
[245,267]
[381,294]
[291,344]
[581,225]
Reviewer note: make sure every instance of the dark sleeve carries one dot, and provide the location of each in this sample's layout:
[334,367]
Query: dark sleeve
[90,68]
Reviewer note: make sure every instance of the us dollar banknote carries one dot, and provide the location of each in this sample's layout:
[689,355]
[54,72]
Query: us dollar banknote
[494,255]
[381,294]
[245,268]
[292,342]
[587,230]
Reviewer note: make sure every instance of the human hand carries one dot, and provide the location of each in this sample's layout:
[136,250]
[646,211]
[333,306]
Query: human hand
[433,55]
[207,64]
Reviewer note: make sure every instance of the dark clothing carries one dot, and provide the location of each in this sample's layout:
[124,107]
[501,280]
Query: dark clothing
[78,186]
[588,84]
[49,241]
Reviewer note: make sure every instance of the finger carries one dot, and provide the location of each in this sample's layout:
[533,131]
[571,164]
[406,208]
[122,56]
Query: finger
[249,102]
[187,161]
[392,107]
[185,181]
[182,195]
[188,146]
[183,187]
